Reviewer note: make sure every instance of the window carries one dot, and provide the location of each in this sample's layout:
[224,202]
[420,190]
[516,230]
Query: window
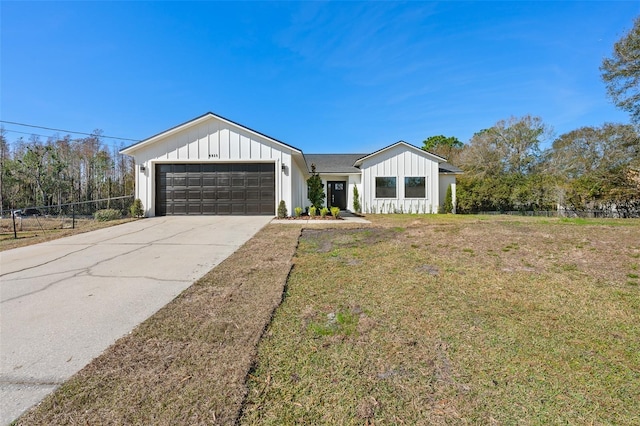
[385,187]
[414,187]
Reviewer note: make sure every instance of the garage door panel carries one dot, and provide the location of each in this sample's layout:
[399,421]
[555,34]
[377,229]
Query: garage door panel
[178,194]
[253,208]
[215,189]
[223,196]
[224,208]
[208,208]
[178,180]
[267,181]
[265,206]
[194,181]
[178,208]
[252,195]
[194,208]
[194,194]
[238,208]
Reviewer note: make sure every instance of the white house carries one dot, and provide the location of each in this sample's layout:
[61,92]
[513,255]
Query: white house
[212,165]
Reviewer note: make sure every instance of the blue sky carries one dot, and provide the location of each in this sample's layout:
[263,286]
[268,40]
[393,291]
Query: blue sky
[321,76]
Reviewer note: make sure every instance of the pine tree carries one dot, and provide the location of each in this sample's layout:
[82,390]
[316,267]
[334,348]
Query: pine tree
[315,189]
[448,201]
[356,200]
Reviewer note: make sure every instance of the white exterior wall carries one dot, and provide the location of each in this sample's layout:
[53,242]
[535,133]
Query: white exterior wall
[354,180]
[216,141]
[400,162]
[447,180]
[299,189]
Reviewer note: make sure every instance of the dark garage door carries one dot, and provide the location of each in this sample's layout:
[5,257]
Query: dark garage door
[196,189]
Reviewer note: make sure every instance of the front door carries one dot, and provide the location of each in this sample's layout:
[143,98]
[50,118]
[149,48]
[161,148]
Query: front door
[337,194]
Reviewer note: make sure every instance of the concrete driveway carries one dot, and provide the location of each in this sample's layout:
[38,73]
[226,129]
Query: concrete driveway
[65,301]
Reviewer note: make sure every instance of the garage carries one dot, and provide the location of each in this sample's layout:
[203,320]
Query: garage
[215,189]
[214,166]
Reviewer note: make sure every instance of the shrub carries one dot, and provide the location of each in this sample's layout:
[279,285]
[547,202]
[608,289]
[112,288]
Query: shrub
[312,211]
[282,210]
[107,214]
[136,209]
[324,212]
[335,212]
[298,211]
[448,201]
[315,188]
[356,200]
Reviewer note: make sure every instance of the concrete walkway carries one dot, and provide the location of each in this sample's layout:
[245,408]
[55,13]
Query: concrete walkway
[63,302]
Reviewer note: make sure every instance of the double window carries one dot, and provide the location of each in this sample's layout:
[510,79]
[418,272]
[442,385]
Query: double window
[414,187]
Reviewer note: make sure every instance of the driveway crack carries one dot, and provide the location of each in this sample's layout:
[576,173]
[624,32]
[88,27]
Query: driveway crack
[79,272]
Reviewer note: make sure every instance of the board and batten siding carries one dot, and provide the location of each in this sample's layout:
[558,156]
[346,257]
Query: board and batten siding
[399,162]
[215,141]
[299,192]
[447,180]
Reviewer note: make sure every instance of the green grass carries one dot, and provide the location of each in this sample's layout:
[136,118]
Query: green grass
[545,332]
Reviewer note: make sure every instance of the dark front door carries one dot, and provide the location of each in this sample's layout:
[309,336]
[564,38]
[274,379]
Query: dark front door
[337,194]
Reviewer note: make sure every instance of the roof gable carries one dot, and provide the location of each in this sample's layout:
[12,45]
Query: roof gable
[404,145]
[208,116]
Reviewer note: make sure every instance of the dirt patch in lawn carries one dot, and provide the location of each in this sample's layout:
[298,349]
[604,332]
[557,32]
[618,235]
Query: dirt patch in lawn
[188,363]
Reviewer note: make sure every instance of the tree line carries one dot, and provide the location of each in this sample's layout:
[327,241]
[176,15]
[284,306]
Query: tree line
[61,170]
[505,168]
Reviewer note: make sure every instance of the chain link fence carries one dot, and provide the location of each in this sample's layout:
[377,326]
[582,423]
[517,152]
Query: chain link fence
[63,216]
[598,214]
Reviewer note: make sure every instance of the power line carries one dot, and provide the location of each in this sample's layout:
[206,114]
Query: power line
[64,131]
[112,143]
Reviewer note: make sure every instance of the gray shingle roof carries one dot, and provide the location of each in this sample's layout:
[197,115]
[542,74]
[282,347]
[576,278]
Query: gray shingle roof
[448,168]
[343,163]
[333,163]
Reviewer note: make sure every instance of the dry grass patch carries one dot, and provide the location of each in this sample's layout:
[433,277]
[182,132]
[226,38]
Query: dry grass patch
[440,319]
[48,229]
[188,363]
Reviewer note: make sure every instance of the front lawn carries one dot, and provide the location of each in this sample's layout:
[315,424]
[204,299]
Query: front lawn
[478,320]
